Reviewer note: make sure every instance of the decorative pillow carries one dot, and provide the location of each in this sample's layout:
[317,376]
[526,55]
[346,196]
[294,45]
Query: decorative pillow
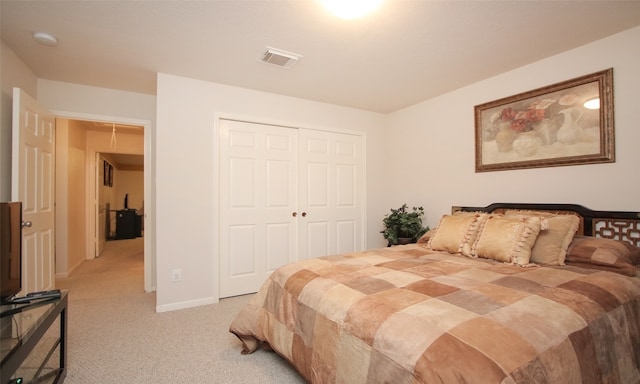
[507,239]
[551,246]
[456,233]
[606,254]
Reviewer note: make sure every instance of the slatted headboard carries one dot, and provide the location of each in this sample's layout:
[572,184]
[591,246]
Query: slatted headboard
[619,225]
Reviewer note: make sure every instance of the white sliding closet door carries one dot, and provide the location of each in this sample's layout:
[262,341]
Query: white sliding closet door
[286,194]
[331,193]
[258,193]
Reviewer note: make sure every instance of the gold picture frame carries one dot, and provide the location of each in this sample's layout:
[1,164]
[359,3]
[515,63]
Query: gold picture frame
[548,127]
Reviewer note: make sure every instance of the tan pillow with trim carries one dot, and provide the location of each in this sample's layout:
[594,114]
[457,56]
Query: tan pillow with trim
[507,239]
[456,233]
[551,246]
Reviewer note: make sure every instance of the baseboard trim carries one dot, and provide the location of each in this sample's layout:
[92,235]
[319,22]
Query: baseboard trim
[64,275]
[185,304]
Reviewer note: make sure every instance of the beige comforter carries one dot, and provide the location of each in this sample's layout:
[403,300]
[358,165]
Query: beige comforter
[410,315]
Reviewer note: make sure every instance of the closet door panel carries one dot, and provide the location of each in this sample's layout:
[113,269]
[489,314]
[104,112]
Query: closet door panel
[317,239]
[242,240]
[316,189]
[346,236]
[277,246]
[346,185]
[349,190]
[277,185]
[332,196]
[258,194]
[242,178]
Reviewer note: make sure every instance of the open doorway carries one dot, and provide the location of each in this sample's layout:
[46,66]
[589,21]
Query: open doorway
[84,148]
[120,197]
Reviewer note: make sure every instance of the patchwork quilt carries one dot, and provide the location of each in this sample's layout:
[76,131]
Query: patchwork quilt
[407,314]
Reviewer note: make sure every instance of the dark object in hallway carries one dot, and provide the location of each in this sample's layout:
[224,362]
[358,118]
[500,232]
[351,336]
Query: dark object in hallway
[128,224]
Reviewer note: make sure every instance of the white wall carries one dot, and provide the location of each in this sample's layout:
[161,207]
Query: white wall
[129,183]
[185,209]
[76,98]
[71,199]
[13,73]
[434,141]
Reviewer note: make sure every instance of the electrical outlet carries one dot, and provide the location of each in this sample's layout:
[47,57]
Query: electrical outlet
[176,275]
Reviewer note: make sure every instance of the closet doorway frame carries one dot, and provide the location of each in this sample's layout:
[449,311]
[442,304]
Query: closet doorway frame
[217,117]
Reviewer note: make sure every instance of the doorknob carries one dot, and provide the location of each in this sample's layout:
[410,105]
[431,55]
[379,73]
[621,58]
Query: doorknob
[26,224]
[304,214]
[294,214]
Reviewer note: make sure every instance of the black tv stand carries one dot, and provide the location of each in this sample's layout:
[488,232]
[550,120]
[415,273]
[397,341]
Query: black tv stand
[30,349]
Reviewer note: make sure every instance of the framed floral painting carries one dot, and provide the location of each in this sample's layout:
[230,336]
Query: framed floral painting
[567,123]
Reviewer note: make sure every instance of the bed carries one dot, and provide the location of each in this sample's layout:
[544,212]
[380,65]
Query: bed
[507,293]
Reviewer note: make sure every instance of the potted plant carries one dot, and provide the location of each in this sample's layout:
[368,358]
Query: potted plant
[403,226]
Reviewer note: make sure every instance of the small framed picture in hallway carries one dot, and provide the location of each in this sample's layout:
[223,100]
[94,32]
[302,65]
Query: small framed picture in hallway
[105,173]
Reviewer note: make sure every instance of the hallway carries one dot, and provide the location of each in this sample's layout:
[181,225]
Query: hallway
[118,272]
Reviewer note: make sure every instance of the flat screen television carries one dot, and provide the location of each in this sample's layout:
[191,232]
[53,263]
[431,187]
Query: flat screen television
[10,250]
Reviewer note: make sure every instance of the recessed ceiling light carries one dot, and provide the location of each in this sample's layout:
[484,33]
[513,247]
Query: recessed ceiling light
[351,9]
[45,38]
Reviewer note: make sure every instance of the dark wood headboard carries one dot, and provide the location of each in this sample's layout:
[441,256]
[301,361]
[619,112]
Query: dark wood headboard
[619,225]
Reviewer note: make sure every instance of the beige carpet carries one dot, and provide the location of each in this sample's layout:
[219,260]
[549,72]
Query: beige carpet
[115,335]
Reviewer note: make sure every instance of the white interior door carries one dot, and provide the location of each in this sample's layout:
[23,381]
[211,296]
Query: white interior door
[258,202]
[331,193]
[32,182]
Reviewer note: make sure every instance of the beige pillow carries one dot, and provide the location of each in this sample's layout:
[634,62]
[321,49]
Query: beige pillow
[507,239]
[456,233]
[551,246]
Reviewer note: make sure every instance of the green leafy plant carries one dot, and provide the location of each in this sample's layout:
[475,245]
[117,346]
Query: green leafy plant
[403,223]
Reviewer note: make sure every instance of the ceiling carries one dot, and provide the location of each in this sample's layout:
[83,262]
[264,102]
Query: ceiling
[128,162]
[404,53]
[123,161]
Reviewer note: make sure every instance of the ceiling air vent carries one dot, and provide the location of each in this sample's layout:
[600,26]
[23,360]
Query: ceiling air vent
[279,57]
